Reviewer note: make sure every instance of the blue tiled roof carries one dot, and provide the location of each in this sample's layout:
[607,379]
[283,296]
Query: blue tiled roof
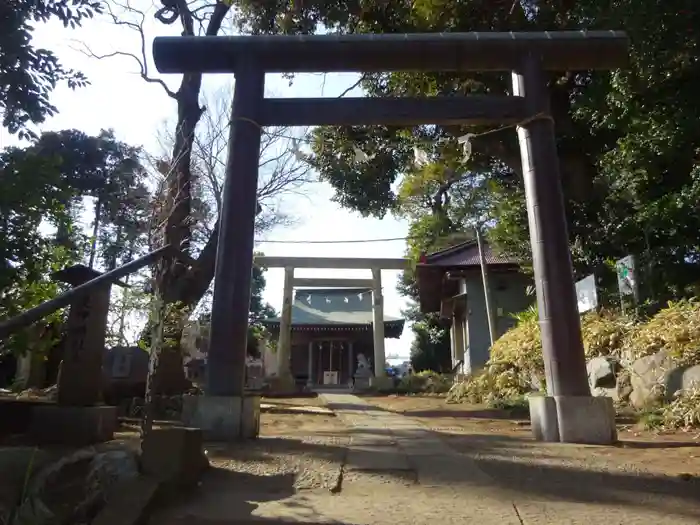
[332,307]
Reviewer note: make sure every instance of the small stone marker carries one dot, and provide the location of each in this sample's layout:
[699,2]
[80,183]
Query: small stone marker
[174,455]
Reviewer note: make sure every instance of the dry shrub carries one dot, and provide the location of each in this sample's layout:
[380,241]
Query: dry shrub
[425,382]
[516,359]
[516,363]
[684,411]
[675,328]
[491,386]
[520,348]
[605,333]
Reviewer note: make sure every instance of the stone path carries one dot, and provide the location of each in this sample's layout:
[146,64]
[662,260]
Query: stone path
[395,471]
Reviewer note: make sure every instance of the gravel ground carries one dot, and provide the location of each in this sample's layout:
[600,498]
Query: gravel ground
[313,462]
[302,451]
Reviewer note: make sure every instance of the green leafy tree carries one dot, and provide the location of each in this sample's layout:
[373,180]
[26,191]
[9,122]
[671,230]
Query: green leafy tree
[42,188]
[430,349]
[259,310]
[627,140]
[28,75]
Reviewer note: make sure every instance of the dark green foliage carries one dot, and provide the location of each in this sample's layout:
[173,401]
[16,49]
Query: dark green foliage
[42,191]
[430,349]
[29,75]
[258,310]
[628,140]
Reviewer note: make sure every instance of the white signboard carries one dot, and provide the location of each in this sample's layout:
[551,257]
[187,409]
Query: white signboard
[586,294]
[330,378]
[627,276]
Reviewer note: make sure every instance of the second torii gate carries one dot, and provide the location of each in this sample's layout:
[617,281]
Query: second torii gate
[344,263]
[567,413]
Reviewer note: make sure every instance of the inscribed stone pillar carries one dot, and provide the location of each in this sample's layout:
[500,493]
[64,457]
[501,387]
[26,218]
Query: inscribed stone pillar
[80,380]
[378,323]
[284,344]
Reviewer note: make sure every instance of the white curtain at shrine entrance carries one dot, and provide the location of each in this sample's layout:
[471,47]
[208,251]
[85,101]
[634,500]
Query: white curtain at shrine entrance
[330,362]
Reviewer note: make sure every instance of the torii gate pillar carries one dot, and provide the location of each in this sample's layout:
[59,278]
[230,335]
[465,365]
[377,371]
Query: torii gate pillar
[568,412]
[378,329]
[285,381]
[225,412]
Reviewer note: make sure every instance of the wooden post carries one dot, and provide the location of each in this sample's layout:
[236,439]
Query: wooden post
[284,345]
[464,327]
[226,359]
[310,365]
[459,336]
[378,323]
[351,362]
[493,334]
[562,347]
[80,380]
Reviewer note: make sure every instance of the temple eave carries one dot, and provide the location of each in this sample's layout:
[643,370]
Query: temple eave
[393,329]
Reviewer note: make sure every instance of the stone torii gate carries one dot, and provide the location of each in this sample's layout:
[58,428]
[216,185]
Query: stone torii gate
[567,413]
[345,263]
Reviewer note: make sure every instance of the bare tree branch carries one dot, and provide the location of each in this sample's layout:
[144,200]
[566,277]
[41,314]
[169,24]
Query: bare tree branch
[281,173]
[362,78]
[137,27]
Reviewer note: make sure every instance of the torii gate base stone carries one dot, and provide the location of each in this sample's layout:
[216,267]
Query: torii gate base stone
[568,412]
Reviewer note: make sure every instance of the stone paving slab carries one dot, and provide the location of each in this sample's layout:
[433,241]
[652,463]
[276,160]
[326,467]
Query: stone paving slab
[376,459]
[305,409]
[434,464]
[372,439]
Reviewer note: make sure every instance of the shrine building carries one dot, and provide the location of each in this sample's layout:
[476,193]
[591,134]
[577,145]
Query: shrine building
[330,328]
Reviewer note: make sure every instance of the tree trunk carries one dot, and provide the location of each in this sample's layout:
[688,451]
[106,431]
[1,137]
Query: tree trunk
[181,287]
[95,231]
[122,315]
[148,416]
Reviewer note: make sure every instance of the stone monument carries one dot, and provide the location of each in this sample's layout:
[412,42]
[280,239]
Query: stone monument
[79,417]
[363,373]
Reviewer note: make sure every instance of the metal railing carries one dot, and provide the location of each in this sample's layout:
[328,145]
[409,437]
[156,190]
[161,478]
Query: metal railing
[27,318]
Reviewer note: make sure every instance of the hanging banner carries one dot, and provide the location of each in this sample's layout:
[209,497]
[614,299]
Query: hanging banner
[586,294]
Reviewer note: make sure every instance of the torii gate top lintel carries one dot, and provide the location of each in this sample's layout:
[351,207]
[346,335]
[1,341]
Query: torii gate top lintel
[341,263]
[473,51]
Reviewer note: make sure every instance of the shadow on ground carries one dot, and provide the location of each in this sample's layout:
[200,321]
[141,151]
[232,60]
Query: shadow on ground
[528,477]
[513,415]
[658,444]
[225,497]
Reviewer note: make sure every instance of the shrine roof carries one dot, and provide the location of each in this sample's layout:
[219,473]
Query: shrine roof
[466,254]
[338,306]
[431,271]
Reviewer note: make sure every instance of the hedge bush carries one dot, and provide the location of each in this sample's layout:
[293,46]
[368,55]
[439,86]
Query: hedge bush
[425,382]
[675,328]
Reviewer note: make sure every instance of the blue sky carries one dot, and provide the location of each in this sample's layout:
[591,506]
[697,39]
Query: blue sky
[118,98]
